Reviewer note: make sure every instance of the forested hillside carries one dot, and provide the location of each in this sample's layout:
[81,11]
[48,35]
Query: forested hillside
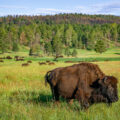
[55,35]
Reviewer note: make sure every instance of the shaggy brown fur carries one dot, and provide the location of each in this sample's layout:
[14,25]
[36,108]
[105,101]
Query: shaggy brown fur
[25,64]
[16,57]
[19,59]
[51,63]
[59,56]
[29,61]
[41,63]
[1,61]
[76,81]
[8,57]
[105,90]
[47,61]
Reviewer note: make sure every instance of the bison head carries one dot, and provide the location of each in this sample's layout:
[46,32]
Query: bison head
[105,90]
[108,88]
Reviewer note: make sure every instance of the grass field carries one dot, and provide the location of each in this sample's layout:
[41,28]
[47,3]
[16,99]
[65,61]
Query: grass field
[23,95]
[83,55]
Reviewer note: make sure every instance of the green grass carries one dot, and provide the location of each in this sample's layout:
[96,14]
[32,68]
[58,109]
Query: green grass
[83,55]
[23,95]
[90,59]
[113,52]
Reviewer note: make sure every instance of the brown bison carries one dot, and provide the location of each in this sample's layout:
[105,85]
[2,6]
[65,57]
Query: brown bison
[29,61]
[20,59]
[41,63]
[1,60]
[8,57]
[16,57]
[51,63]
[48,61]
[25,64]
[84,82]
[59,56]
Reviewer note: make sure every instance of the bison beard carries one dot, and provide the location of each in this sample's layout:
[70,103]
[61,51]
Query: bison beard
[84,82]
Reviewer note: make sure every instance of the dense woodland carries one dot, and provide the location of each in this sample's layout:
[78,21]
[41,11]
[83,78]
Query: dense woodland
[58,34]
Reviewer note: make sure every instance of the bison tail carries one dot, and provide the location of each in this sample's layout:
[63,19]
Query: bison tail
[47,77]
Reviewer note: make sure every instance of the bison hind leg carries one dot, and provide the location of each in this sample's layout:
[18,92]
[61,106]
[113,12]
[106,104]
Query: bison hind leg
[55,93]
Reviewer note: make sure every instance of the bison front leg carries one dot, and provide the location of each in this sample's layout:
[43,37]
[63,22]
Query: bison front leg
[70,101]
[83,98]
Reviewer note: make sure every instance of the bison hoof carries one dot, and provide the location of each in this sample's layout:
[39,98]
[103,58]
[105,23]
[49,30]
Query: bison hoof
[86,105]
[57,102]
[70,102]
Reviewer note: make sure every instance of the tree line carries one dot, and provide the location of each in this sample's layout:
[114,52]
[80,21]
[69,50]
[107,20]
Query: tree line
[61,18]
[51,38]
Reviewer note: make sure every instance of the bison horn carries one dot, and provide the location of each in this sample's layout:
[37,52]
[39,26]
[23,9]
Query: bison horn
[105,79]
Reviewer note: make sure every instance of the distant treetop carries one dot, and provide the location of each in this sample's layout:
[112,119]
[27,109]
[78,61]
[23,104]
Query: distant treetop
[62,18]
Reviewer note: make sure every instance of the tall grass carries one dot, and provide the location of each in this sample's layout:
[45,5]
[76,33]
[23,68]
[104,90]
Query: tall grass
[23,95]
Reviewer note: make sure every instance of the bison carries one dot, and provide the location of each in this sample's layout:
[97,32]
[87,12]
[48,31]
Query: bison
[25,64]
[16,57]
[84,82]
[1,60]
[48,61]
[20,59]
[41,63]
[8,57]
[29,61]
[51,63]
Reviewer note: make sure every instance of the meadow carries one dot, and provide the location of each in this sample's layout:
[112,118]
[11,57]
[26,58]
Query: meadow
[112,54]
[24,96]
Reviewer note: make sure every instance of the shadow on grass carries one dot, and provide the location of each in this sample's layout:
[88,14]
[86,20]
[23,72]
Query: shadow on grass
[33,97]
[43,98]
[117,53]
[30,97]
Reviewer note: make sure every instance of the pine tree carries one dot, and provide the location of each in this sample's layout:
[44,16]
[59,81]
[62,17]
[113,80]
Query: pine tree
[91,41]
[30,52]
[74,53]
[68,36]
[15,47]
[14,37]
[67,52]
[100,46]
[57,44]
[23,40]
[48,48]
[3,40]
[74,39]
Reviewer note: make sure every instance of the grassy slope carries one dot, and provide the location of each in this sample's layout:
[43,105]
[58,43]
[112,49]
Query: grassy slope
[23,95]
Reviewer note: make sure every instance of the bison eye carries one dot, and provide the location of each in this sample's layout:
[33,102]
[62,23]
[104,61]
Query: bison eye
[110,88]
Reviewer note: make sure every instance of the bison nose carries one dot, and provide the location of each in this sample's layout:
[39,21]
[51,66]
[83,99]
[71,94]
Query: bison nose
[116,99]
